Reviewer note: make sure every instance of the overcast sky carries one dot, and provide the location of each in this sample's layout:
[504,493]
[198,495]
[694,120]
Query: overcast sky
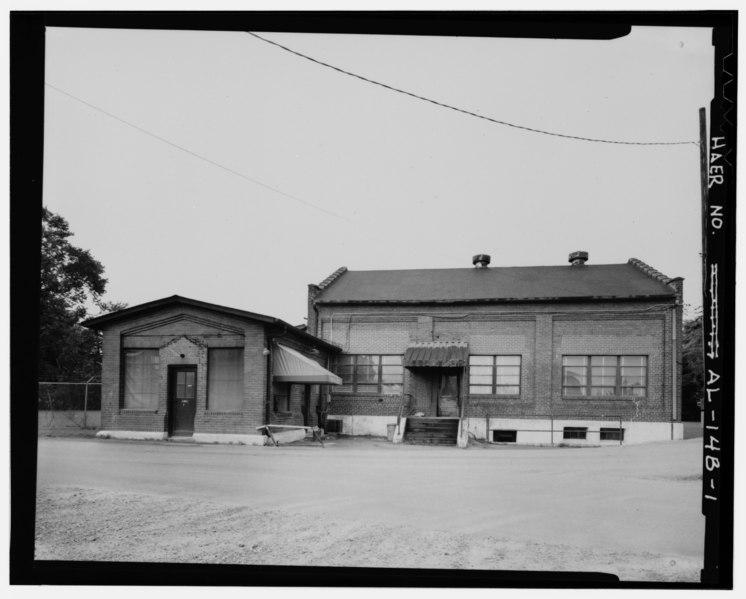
[378,179]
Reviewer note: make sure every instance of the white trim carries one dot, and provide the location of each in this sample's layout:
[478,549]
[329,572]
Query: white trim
[136,435]
[229,439]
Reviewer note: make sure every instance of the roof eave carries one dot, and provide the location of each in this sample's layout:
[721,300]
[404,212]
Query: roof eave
[565,300]
[100,321]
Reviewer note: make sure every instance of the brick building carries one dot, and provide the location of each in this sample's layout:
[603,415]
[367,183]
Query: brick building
[575,354]
[178,367]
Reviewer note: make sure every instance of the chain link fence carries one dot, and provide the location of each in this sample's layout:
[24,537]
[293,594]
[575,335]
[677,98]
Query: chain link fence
[69,405]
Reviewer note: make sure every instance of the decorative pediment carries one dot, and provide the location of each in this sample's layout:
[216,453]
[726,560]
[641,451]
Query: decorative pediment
[192,340]
[184,324]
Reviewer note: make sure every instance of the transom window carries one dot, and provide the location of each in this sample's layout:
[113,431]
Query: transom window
[604,376]
[141,379]
[369,373]
[494,375]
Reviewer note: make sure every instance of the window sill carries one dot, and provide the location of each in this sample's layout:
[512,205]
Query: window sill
[223,413]
[364,395]
[491,397]
[137,411]
[603,398]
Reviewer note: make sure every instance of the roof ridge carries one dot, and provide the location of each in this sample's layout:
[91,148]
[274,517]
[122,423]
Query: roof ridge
[650,271]
[332,277]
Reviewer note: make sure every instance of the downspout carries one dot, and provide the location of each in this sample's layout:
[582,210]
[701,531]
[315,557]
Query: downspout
[268,374]
[674,370]
[270,339]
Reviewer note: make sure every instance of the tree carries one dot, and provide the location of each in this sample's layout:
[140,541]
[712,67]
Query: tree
[71,281]
[692,369]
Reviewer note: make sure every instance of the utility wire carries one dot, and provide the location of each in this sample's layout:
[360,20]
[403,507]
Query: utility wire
[191,153]
[474,114]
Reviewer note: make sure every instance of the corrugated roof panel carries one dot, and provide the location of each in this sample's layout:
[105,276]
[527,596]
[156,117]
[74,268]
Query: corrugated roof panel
[436,354]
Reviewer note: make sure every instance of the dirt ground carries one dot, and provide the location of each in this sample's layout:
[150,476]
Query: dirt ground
[631,511]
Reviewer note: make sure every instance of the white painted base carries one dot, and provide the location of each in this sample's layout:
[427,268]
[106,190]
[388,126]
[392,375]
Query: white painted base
[230,439]
[374,426]
[136,435]
[538,432]
[399,431]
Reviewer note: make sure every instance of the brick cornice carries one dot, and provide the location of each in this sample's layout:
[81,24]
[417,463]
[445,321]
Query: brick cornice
[332,277]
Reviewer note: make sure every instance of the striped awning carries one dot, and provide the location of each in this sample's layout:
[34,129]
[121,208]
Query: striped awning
[290,366]
[437,354]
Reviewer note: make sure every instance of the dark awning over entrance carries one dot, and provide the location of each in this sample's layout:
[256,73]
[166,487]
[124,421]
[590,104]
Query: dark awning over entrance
[437,354]
[290,366]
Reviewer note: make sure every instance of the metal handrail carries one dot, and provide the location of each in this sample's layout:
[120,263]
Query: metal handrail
[401,408]
[463,414]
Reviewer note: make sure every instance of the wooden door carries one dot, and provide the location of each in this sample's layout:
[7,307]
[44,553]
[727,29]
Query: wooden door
[182,400]
[448,393]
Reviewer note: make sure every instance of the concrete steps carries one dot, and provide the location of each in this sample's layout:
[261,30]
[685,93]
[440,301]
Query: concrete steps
[431,431]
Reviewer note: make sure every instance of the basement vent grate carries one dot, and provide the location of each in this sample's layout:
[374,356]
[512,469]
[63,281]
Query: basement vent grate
[333,426]
[612,434]
[574,432]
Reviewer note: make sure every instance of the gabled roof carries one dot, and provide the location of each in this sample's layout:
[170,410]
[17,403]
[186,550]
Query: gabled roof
[633,280]
[176,300]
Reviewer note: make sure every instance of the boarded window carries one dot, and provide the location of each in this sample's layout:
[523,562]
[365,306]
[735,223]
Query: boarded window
[141,379]
[225,380]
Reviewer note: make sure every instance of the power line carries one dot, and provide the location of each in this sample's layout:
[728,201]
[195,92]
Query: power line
[474,114]
[194,154]
[191,153]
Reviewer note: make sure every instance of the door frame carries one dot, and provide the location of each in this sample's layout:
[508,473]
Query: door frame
[442,373]
[171,392]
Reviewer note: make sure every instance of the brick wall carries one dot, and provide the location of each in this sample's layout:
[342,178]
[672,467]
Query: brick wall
[540,333]
[188,332]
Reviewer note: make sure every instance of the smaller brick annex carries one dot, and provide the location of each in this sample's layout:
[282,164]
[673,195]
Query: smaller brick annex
[574,354]
[179,367]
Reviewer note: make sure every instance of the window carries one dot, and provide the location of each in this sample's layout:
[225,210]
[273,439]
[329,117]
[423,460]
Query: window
[612,434]
[282,402]
[141,379]
[574,432]
[225,380]
[281,397]
[495,375]
[604,376]
[504,436]
[365,373]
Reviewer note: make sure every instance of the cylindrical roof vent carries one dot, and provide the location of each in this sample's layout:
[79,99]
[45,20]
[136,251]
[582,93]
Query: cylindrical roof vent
[481,260]
[578,258]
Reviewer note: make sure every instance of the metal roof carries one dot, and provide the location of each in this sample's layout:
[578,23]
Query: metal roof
[522,283]
[436,354]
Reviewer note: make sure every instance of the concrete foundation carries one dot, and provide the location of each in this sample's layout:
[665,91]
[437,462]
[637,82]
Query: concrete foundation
[548,432]
[374,426]
[529,431]
[230,439]
[136,435]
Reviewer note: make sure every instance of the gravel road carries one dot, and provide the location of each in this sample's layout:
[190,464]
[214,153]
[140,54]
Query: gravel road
[630,511]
